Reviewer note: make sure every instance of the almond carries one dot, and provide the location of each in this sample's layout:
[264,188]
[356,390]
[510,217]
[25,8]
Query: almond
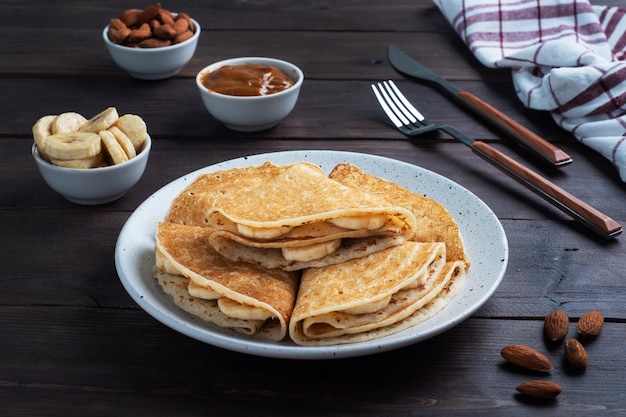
[185,16]
[155,23]
[556,325]
[149,13]
[154,43]
[576,354]
[183,37]
[181,26]
[140,34]
[590,324]
[526,357]
[165,31]
[546,390]
[166,17]
[119,36]
[131,16]
[118,24]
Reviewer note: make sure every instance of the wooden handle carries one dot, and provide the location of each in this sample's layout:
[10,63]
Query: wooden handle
[578,209]
[532,140]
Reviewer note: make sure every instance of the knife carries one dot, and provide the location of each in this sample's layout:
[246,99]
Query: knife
[408,66]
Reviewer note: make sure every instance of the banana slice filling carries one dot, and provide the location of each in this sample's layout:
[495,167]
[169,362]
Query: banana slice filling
[263,233]
[199,291]
[360,222]
[369,307]
[351,223]
[227,306]
[242,311]
[311,252]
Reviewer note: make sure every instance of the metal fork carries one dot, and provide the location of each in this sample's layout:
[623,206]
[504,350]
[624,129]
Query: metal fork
[410,121]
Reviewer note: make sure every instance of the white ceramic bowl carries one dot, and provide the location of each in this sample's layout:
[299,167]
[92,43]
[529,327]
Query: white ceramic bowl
[94,185]
[153,63]
[252,113]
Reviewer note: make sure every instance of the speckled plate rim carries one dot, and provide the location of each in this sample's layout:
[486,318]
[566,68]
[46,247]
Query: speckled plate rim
[482,233]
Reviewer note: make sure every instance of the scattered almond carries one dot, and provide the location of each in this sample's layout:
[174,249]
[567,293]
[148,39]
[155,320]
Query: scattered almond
[576,354]
[546,390]
[590,324]
[526,357]
[556,325]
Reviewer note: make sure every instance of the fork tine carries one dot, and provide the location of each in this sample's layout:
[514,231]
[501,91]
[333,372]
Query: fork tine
[405,102]
[385,103]
[398,104]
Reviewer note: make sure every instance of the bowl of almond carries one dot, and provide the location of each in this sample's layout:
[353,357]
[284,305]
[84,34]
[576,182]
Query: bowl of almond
[151,43]
[91,161]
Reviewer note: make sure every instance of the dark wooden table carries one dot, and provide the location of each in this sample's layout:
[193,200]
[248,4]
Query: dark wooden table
[73,342]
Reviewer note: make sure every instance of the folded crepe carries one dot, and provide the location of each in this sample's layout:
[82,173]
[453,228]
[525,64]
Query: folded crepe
[290,216]
[372,297]
[389,291]
[434,223]
[251,300]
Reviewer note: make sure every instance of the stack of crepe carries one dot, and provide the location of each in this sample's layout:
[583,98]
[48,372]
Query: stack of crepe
[271,250]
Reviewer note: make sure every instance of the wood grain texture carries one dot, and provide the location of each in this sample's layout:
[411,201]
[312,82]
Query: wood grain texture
[155,371]
[75,343]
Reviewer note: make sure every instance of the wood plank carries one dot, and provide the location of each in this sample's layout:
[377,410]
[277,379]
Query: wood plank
[449,159]
[325,109]
[81,53]
[216,15]
[121,362]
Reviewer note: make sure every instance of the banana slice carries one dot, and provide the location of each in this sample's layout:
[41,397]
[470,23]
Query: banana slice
[93,162]
[311,252]
[262,233]
[370,307]
[67,122]
[124,141]
[198,291]
[72,145]
[242,311]
[100,121]
[41,130]
[112,147]
[135,128]
[360,222]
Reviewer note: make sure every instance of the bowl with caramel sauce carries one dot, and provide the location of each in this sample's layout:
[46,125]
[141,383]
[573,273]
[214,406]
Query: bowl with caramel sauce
[250,94]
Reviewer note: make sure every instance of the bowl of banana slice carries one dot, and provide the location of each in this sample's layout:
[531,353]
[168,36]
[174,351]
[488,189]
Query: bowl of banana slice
[91,161]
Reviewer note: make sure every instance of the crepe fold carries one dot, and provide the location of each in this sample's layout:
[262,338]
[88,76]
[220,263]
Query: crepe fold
[251,300]
[290,216]
[434,223]
[375,296]
[389,291]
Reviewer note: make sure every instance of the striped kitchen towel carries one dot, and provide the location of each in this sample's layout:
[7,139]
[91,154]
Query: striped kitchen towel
[567,57]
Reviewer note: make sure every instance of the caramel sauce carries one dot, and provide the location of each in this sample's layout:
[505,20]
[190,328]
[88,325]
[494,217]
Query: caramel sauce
[246,80]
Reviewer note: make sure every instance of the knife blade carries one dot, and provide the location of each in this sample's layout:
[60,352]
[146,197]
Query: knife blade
[410,67]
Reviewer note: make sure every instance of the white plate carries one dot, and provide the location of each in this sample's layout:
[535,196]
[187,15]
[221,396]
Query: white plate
[483,235]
